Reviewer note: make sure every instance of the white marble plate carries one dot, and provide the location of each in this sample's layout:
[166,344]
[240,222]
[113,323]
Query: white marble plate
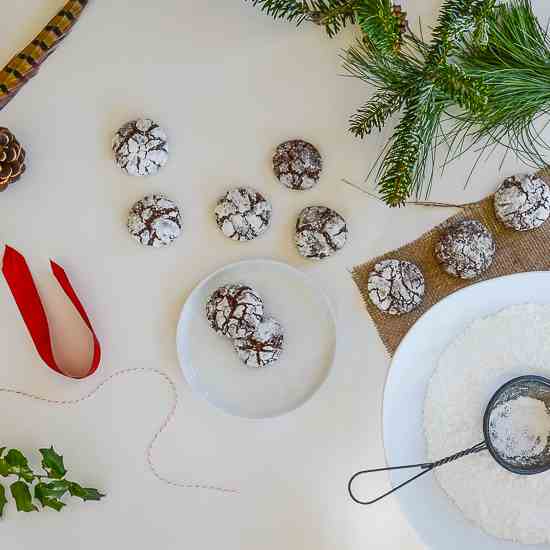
[438,521]
[213,369]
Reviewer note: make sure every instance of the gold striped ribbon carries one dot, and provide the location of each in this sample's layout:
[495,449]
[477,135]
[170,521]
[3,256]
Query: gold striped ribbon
[25,64]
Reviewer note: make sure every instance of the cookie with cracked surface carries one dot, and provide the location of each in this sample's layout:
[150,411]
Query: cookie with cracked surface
[297,164]
[396,287]
[141,147]
[522,202]
[465,249]
[243,214]
[155,221]
[235,311]
[262,348]
[320,232]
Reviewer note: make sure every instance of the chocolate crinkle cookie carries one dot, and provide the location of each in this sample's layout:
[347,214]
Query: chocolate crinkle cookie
[155,221]
[297,164]
[263,347]
[320,232]
[465,249]
[235,311]
[243,214]
[141,147]
[396,287]
[522,202]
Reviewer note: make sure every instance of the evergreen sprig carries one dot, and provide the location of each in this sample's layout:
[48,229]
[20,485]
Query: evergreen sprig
[382,20]
[396,174]
[420,79]
[375,113]
[333,15]
[48,489]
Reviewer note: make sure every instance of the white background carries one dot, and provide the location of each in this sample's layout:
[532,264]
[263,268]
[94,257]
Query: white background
[228,84]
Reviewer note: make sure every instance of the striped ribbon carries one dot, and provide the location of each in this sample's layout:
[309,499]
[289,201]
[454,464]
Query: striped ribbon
[25,64]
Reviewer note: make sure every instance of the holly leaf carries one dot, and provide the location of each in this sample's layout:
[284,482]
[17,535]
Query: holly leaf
[48,494]
[16,458]
[22,495]
[18,465]
[85,493]
[3,500]
[4,468]
[53,489]
[52,463]
[53,503]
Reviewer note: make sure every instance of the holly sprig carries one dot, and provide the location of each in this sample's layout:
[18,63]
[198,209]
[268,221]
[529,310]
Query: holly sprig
[47,489]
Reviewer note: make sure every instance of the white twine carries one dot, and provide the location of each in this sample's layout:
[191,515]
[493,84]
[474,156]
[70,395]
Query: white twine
[164,425]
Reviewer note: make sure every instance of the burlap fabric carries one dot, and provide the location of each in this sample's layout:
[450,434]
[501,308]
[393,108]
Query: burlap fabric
[517,251]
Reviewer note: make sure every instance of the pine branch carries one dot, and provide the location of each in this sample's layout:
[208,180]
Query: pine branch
[423,79]
[412,141]
[375,113]
[402,169]
[333,15]
[396,176]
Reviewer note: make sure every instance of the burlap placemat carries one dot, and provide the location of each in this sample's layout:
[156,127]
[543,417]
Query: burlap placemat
[517,252]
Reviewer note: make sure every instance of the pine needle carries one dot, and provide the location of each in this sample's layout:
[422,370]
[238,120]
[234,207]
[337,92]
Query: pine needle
[515,68]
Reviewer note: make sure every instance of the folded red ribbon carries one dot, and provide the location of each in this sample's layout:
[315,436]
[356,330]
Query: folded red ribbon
[23,289]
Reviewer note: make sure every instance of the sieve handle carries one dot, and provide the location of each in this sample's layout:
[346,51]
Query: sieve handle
[425,467]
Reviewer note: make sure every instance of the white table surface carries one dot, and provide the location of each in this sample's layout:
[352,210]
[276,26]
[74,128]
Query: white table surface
[228,84]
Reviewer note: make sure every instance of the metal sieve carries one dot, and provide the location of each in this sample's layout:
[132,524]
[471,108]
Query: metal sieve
[536,387]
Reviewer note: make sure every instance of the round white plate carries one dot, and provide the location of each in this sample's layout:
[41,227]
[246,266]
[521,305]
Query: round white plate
[438,521]
[213,369]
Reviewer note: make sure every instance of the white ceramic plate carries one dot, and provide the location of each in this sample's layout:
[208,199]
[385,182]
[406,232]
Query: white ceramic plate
[213,369]
[438,521]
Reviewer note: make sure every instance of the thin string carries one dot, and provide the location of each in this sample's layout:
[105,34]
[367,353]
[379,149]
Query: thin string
[411,203]
[150,447]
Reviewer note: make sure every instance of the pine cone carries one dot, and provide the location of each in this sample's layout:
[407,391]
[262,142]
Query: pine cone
[402,18]
[12,159]
[315,18]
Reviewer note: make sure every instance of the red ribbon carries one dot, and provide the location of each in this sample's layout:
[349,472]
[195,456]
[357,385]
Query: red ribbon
[25,294]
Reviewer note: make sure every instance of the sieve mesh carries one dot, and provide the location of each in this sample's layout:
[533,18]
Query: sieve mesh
[535,387]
